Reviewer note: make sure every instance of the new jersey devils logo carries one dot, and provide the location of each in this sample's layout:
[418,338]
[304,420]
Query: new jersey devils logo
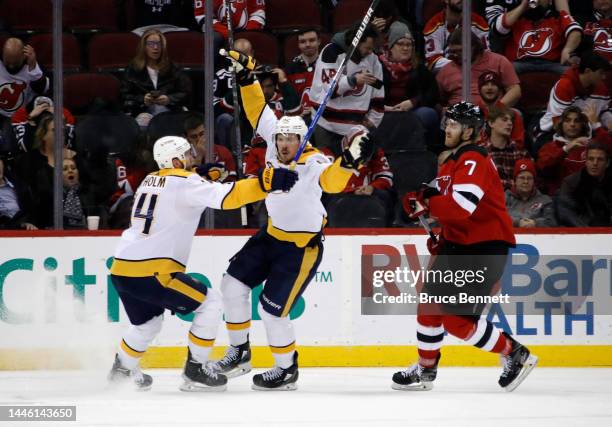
[443,183]
[12,95]
[535,43]
[602,40]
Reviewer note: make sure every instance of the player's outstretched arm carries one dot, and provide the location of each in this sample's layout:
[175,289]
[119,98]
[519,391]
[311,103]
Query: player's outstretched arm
[251,190]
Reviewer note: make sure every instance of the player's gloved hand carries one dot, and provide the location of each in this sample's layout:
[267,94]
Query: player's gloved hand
[358,153]
[277,179]
[212,171]
[243,64]
[428,190]
[434,246]
[414,205]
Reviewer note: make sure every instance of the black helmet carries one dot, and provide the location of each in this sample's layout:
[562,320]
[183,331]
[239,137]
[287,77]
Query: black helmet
[467,114]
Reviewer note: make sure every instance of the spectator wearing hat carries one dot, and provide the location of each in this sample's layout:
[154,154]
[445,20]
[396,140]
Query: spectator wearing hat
[450,77]
[491,90]
[566,153]
[501,147]
[409,85]
[526,205]
[585,198]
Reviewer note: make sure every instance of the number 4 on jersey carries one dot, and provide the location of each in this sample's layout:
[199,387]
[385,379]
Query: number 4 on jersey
[139,212]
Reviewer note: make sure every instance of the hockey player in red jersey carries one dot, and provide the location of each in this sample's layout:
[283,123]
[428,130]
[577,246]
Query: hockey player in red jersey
[467,199]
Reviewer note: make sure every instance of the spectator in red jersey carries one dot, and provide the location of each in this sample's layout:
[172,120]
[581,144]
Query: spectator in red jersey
[491,91]
[580,86]
[540,38]
[20,76]
[254,158]
[222,166]
[247,15]
[450,79]
[526,205]
[498,142]
[409,85]
[26,119]
[439,28]
[153,84]
[566,153]
[598,28]
[300,70]
[585,198]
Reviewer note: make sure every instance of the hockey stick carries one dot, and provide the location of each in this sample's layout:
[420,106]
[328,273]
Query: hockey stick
[332,87]
[238,145]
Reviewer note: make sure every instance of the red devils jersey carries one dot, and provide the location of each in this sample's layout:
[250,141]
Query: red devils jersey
[300,75]
[376,173]
[471,207]
[599,30]
[246,15]
[255,158]
[542,39]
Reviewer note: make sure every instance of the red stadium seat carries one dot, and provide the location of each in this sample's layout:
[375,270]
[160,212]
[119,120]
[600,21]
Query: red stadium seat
[281,15]
[43,44]
[430,8]
[81,89]
[290,46]
[90,16]
[27,16]
[186,48]
[349,11]
[265,45]
[112,52]
[535,89]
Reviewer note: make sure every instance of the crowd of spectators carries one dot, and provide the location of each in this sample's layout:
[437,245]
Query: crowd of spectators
[406,69]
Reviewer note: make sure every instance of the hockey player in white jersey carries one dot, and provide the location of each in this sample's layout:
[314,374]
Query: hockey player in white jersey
[285,253]
[148,269]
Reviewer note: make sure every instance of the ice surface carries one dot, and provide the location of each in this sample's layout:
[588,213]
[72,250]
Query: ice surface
[326,397]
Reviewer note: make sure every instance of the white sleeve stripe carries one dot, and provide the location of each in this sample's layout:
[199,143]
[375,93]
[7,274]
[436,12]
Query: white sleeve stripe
[573,27]
[558,101]
[469,188]
[499,25]
[383,174]
[463,202]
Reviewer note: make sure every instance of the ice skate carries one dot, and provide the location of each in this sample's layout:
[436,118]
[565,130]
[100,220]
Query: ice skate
[415,378]
[199,377]
[517,365]
[277,378]
[236,362]
[120,374]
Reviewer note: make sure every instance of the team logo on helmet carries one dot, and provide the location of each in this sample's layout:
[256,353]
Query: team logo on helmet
[535,43]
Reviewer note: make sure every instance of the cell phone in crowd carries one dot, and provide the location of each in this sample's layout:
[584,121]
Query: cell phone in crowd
[155,93]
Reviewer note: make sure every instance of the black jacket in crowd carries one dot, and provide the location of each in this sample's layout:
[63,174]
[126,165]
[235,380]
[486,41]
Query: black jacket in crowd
[422,87]
[584,201]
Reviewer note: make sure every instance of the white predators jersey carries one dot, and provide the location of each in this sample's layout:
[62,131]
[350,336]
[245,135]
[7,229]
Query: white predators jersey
[167,209]
[299,210]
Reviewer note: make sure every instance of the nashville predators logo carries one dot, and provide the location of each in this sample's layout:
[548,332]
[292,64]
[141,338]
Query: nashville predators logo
[12,95]
[535,43]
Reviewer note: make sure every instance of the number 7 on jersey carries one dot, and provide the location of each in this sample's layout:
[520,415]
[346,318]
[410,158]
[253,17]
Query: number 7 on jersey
[139,212]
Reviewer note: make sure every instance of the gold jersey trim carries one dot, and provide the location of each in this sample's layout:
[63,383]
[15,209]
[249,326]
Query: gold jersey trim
[145,267]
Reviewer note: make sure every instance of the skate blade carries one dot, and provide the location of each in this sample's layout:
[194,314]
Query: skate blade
[528,366]
[423,386]
[238,371]
[192,387]
[285,387]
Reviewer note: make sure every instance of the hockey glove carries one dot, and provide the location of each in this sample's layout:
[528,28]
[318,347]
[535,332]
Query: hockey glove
[358,153]
[277,179]
[212,171]
[414,205]
[434,246]
[243,65]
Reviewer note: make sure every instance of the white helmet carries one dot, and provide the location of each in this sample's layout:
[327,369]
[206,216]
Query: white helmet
[168,148]
[291,124]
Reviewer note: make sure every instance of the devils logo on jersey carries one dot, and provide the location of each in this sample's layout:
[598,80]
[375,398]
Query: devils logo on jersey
[443,183]
[535,43]
[12,95]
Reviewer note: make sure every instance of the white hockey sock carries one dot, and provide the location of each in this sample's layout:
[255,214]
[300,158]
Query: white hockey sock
[204,326]
[136,340]
[237,308]
[281,337]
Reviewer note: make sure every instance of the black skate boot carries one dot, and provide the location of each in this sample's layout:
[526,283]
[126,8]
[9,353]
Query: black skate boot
[277,378]
[236,362]
[517,365]
[199,377]
[416,378]
[120,374]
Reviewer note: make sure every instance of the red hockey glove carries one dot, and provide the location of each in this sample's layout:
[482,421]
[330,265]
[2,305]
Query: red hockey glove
[434,246]
[414,205]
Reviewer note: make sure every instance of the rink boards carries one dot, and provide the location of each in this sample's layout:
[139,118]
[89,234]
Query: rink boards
[56,301]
